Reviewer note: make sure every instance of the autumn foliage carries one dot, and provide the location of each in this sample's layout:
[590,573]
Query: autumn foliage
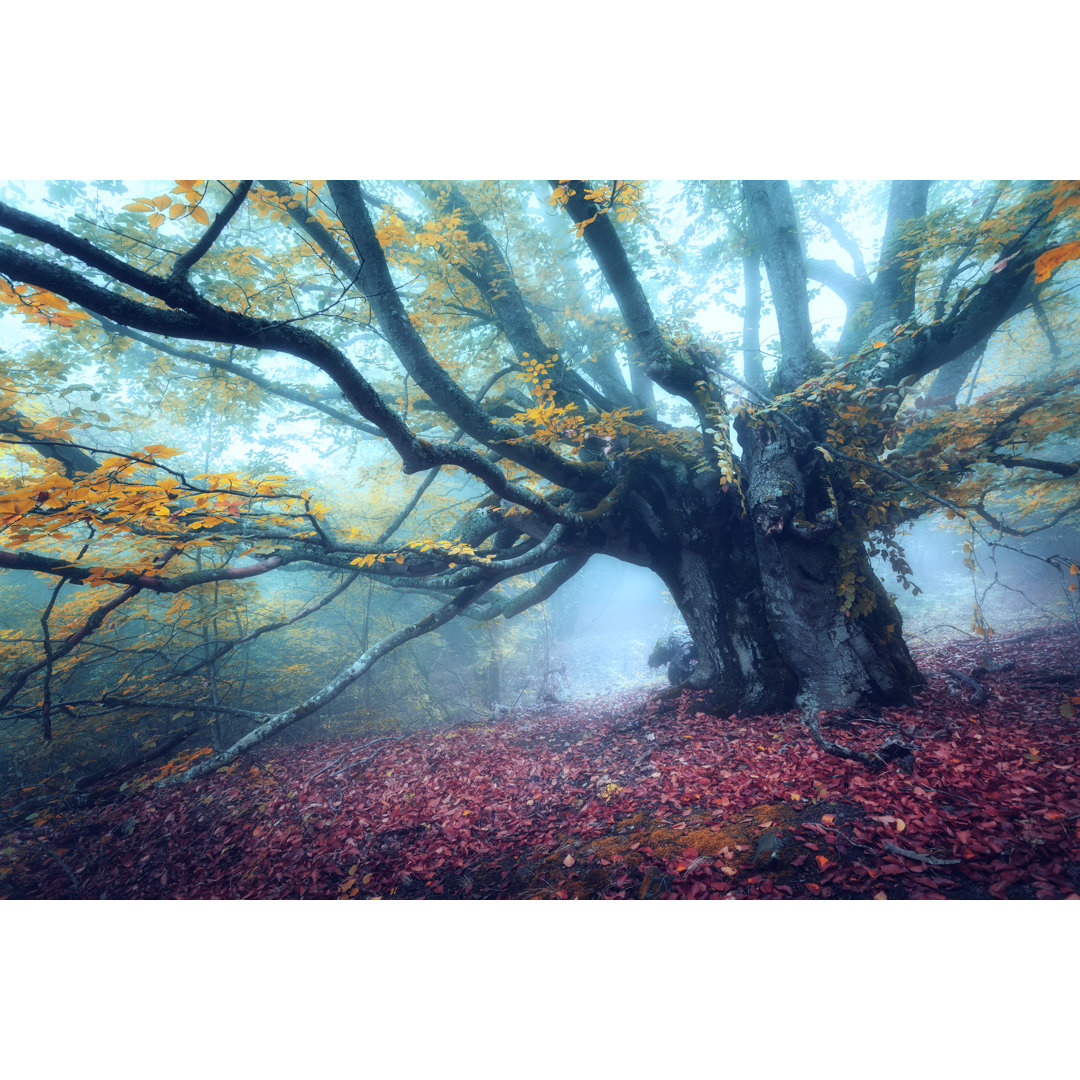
[617,798]
[257,437]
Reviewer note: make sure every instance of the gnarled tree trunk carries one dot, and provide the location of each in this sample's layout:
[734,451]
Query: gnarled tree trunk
[784,613]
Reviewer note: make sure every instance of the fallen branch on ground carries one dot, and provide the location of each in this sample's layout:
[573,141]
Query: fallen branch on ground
[930,860]
[979,693]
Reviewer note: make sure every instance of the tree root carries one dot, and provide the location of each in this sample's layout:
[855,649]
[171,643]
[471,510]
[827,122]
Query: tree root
[890,750]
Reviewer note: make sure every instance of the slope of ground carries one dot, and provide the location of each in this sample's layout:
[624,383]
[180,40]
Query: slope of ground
[629,796]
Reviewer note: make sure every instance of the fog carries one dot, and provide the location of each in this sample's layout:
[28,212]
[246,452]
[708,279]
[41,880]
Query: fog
[252,644]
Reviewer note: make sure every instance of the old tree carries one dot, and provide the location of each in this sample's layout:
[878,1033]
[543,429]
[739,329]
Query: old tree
[538,346]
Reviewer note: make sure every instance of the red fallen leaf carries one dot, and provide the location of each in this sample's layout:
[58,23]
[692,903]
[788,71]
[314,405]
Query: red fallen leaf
[893,868]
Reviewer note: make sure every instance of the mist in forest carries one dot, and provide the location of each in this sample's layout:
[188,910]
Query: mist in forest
[250,440]
[606,629]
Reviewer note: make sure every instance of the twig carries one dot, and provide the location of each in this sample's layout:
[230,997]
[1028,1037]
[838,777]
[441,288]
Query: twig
[352,750]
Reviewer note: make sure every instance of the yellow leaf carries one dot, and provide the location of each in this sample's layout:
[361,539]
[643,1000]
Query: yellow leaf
[880,896]
[1050,260]
[156,220]
[200,215]
[900,826]
[176,210]
[162,201]
[879,344]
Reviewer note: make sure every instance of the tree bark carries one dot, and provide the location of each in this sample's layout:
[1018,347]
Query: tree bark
[772,215]
[831,619]
[894,286]
[719,595]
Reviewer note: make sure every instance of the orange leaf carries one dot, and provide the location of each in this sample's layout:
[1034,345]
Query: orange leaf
[900,826]
[879,344]
[1050,260]
[827,819]
[822,861]
[156,220]
[200,215]
[176,210]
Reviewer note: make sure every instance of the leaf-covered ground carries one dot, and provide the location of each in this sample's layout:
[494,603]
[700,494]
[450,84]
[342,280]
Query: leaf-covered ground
[631,796]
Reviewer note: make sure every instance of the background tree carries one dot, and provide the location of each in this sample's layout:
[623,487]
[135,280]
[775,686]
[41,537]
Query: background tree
[516,359]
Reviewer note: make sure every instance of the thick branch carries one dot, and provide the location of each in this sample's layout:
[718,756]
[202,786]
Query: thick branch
[43,564]
[844,239]
[852,290]
[553,580]
[212,323]
[610,255]
[185,262]
[894,285]
[73,460]
[378,286]
[493,279]
[772,217]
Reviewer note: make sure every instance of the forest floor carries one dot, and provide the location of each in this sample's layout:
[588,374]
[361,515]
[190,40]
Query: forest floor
[637,795]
